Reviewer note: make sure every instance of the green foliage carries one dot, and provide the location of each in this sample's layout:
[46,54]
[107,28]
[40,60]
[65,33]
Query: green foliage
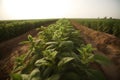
[111,26]
[11,29]
[64,61]
[95,75]
[16,76]
[58,53]
[86,55]
[34,75]
[101,59]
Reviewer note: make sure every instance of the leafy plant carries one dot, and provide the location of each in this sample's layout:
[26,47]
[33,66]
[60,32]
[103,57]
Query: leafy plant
[111,26]
[58,53]
[14,28]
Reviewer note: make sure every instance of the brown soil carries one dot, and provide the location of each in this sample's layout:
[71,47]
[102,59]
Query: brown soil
[107,45]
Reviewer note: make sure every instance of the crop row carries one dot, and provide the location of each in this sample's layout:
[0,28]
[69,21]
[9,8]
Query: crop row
[57,53]
[111,26]
[10,29]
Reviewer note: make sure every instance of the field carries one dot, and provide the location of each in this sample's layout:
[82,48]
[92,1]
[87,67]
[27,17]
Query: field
[111,26]
[13,28]
[65,50]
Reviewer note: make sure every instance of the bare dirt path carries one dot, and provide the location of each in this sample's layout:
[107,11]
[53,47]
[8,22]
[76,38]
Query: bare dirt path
[107,45]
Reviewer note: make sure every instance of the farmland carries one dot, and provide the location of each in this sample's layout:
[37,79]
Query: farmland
[61,52]
[58,51]
[111,26]
[13,28]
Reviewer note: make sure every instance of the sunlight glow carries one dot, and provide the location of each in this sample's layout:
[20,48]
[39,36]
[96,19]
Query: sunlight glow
[36,8]
[39,9]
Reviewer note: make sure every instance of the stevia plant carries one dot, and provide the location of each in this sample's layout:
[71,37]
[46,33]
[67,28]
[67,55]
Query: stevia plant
[58,53]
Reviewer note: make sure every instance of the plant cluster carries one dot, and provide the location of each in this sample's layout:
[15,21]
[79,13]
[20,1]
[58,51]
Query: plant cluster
[10,29]
[58,53]
[111,26]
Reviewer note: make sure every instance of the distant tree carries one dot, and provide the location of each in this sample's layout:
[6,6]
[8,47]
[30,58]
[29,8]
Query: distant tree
[110,18]
[105,17]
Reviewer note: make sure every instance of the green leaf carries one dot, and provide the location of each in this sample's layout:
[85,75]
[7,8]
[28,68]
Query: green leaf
[25,76]
[53,54]
[49,43]
[95,75]
[42,62]
[30,38]
[66,45]
[47,72]
[90,48]
[35,74]
[50,53]
[19,61]
[24,42]
[50,47]
[64,61]
[16,76]
[54,77]
[101,59]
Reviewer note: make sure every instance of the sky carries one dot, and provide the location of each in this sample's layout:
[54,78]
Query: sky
[42,9]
